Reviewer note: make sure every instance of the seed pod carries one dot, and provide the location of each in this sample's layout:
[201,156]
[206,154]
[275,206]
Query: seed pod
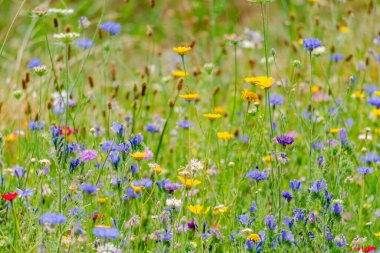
[23,83]
[135,104]
[55,20]
[109,106]
[152,3]
[143,90]
[317,21]
[68,28]
[69,52]
[91,81]
[171,103]
[236,133]
[192,44]
[27,77]
[126,96]
[367,61]
[104,114]
[216,90]
[332,50]
[113,72]
[155,91]
[180,84]
[100,34]
[349,58]
[147,107]
[134,88]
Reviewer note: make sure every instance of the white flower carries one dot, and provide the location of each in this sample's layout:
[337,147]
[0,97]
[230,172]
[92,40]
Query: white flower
[108,248]
[60,11]
[40,70]
[174,203]
[66,37]
[45,162]
[46,190]
[195,165]
[318,51]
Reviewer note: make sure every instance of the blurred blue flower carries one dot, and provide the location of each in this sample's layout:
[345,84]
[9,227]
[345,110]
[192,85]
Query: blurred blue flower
[112,27]
[34,62]
[311,43]
[85,43]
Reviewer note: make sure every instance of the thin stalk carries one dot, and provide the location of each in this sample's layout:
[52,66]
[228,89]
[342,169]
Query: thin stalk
[311,117]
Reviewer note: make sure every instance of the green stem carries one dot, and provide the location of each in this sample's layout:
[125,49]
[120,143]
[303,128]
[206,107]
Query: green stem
[235,86]
[311,118]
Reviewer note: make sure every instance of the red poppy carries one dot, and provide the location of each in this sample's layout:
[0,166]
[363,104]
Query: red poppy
[95,217]
[367,249]
[9,196]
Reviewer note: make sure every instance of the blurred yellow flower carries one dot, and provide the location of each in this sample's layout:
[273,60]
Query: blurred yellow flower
[212,116]
[182,50]
[198,209]
[219,110]
[137,189]
[344,29]
[377,234]
[334,130]
[250,96]
[138,155]
[102,200]
[315,89]
[313,1]
[220,209]
[358,94]
[376,113]
[225,136]
[266,159]
[179,73]
[377,93]
[190,97]
[254,237]
[188,182]
[262,81]
[11,137]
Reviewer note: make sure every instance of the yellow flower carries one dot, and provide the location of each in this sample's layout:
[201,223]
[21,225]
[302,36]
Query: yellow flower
[139,155]
[219,110]
[220,209]
[377,93]
[250,96]
[377,234]
[344,29]
[254,237]
[190,97]
[188,182]
[225,136]
[102,200]
[137,189]
[358,94]
[262,81]
[376,113]
[103,226]
[212,116]
[377,131]
[315,89]
[197,209]
[11,137]
[179,73]
[300,41]
[313,1]
[182,50]
[266,159]
[334,130]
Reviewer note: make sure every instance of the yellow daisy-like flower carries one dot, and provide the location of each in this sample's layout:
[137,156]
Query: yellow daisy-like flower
[358,94]
[190,97]
[225,136]
[376,113]
[344,29]
[250,96]
[219,110]
[266,159]
[377,93]
[315,89]
[139,155]
[377,234]
[334,130]
[212,116]
[179,73]
[103,226]
[313,1]
[198,209]
[254,238]
[137,189]
[11,137]
[300,41]
[188,182]
[102,200]
[220,209]
[182,50]
[262,81]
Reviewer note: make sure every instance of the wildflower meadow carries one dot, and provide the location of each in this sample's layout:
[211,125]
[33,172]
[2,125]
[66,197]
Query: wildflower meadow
[190,126]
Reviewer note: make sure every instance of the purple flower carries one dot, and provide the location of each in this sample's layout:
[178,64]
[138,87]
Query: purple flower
[130,194]
[146,182]
[288,222]
[340,241]
[374,101]
[298,214]
[243,219]
[343,136]
[85,43]
[337,208]
[114,158]
[191,225]
[152,128]
[52,219]
[74,163]
[317,186]
[370,158]
[287,195]
[90,189]
[112,27]
[136,140]
[270,221]
[336,57]
[370,89]
[365,170]
[19,171]
[118,128]
[295,185]
[249,245]
[276,100]
[311,43]
[287,236]
[257,175]
[88,155]
[34,62]
[253,207]
[26,192]
[36,126]
[318,145]
[107,233]
[329,236]
[285,140]
[171,187]
[185,124]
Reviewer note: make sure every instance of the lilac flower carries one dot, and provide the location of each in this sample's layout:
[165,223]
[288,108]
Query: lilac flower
[114,158]
[287,195]
[185,124]
[34,62]
[152,128]
[136,140]
[90,189]
[74,163]
[25,193]
[19,171]
[285,140]
[298,214]
[249,245]
[243,219]
[52,219]
[167,237]
[295,185]
[288,222]
[107,233]
[311,43]
[112,27]
[149,154]
[253,207]
[134,168]
[365,170]
[370,89]
[329,236]
[36,126]
[337,209]
[340,241]
[85,43]
[146,182]
[88,155]
[349,122]
[171,187]
[287,236]
[336,57]
[343,136]
[276,100]
[374,101]
[270,221]
[318,145]
[118,128]
[130,194]
[257,175]
[317,186]
[370,158]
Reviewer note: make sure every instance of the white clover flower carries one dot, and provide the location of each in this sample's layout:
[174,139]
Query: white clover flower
[107,248]
[318,51]
[66,37]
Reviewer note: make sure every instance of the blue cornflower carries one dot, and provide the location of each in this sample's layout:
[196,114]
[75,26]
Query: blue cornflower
[289,222]
[287,195]
[134,168]
[370,89]
[365,170]
[369,158]
[285,140]
[311,43]
[329,236]
[185,124]
[317,145]
[90,189]
[74,163]
[337,208]
[276,100]
[349,122]
[295,185]
[287,236]
[52,219]
[340,241]
[19,171]
[167,237]
[25,193]
[343,136]
[105,232]
[152,128]
[243,219]
[320,160]
[270,221]
[118,128]
[146,182]
[318,186]
[374,101]
[298,214]
[85,43]
[336,57]
[131,194]
[257,175]
[249,245]
[112,27]
[34,62]
[253,207]
[136,140]
[33,125]
[114,158]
